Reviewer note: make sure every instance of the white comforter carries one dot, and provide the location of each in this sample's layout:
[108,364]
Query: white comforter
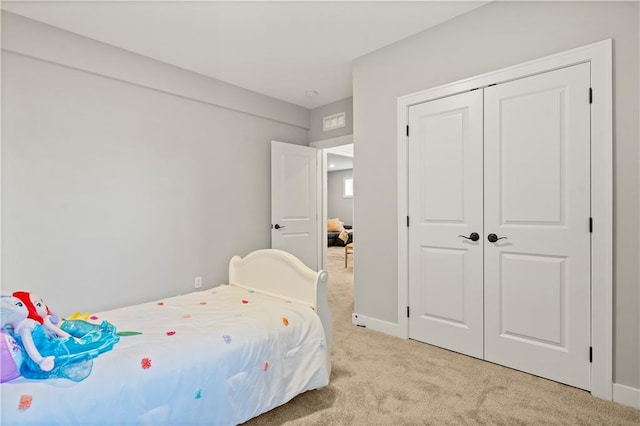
[215,357]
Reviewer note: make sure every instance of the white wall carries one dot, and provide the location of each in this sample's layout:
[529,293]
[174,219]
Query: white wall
[486,39]
[117,189]
[337,205]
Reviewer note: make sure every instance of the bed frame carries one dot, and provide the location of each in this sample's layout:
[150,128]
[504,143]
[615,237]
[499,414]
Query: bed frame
[281,274]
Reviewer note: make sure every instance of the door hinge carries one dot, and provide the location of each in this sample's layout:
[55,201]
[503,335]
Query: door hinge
[590,224]
[590,95]
[590,353]
[407,130]
[407,312]
[407,221]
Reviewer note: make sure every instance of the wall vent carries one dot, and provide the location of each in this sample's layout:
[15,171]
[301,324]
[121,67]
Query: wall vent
[333,122]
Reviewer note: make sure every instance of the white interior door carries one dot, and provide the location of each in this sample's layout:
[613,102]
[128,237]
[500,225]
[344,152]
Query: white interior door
[445,206]
[537,197]
[294,201]
[520,296]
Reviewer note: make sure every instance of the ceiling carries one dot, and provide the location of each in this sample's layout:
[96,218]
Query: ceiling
[339,158]
[280,49]
[337,163]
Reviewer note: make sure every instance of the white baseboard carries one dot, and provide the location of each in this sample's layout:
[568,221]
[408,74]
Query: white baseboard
[626,395]
[375,324]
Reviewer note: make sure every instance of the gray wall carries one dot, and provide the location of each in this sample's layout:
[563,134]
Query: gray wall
[486,39]
[317,114]
[118,189]
[337,205]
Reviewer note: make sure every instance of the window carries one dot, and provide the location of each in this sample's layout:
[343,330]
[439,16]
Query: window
[347,188]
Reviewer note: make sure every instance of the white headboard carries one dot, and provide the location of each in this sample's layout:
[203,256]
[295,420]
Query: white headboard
[281,274]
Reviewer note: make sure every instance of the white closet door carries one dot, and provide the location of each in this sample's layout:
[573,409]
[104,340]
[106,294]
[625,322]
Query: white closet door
[537,197]
[445,204]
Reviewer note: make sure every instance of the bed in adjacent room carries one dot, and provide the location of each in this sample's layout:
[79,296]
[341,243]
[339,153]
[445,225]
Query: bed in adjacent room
[218,357]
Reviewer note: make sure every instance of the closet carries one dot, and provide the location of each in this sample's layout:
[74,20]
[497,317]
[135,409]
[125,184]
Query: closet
[499,244]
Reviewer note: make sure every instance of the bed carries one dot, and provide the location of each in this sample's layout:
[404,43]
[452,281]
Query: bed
[217,357]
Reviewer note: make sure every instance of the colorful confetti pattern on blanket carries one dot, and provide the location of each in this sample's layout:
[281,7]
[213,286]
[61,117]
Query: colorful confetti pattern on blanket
[238,351]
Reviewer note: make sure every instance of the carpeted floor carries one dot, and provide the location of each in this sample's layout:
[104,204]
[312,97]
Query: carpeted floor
[382,380]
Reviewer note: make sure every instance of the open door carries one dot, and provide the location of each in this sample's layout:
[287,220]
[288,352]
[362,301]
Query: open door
[295,183]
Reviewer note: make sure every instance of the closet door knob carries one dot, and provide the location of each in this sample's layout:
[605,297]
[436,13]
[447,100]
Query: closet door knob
[278,226]
[493,238]
[473,236]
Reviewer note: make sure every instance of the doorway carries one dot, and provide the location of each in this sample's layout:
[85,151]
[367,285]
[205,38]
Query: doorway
[339,206]
[340,151]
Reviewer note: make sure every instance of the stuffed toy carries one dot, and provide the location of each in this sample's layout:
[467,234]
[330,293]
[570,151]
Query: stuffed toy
[15,320]
[88,339]
[71,346]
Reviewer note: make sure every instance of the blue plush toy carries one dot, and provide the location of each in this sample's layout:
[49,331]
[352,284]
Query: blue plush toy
[59,352]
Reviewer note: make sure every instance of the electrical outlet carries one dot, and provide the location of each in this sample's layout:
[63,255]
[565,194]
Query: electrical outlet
[197,282]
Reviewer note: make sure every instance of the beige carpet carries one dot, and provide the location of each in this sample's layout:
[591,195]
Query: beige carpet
[382,380]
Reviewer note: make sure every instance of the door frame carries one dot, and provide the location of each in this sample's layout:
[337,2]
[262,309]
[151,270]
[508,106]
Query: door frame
[322,145]
[600,57]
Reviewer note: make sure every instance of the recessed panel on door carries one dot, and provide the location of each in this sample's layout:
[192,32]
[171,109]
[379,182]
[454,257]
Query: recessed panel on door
[442,286]
[445,209]
[442,161]
[294,242]
[532,156]
[533,299]
[296,186]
